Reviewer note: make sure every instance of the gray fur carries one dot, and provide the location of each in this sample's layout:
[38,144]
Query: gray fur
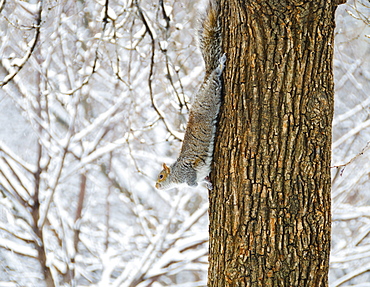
[194,161]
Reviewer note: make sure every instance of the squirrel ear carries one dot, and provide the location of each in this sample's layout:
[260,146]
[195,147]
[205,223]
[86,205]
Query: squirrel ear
[166,168]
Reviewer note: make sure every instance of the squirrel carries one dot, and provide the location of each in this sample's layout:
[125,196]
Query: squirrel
[194,162]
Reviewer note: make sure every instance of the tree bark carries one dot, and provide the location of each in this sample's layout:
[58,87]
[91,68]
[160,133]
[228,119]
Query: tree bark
[270,206]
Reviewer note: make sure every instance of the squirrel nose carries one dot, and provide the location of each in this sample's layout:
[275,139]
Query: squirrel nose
[157,185]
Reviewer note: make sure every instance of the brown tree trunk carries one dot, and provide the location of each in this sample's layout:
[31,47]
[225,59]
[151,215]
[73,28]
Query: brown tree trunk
[270,206]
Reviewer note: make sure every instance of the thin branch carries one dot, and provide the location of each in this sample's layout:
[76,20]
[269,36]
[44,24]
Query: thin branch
[116,68]
[106,17]
[12,247]
[53,187]
[78,216]
[26,57]
[20,27]
[357,272]
[167,19]
[101,120]
[351,133]
[17,204]
[18,236]
[19,177]
[132,276]
[133,158]
[9,153]
[347,212]
[87,79]
[15,195]
[2,5]
[107,205]
[95,66]
[151,33]
[344,165]
[95,155]
[362,106]
[77,226]
[59,169]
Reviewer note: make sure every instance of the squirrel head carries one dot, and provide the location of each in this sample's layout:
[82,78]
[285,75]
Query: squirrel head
[162,177]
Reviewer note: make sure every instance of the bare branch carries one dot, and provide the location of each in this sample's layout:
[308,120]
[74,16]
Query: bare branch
[351,133]
[163,47]
[344,165]
[152,35]
[24,237]
[21,62]
[18,249]
[357,272]
[8,152]
[2,4]
[15,194]
[95,155]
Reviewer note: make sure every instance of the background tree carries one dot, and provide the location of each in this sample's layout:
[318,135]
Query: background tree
[88,91]
[350,264]
[94,97]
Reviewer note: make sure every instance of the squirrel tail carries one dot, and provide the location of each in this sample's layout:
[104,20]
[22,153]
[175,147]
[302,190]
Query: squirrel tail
[210,36]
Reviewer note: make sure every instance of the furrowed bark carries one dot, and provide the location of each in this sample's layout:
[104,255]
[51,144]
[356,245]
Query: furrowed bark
[270,206]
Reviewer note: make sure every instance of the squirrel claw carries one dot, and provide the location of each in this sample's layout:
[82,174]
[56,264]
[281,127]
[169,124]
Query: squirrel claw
[208,183]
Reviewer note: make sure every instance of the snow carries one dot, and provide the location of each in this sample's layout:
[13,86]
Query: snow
[61,119]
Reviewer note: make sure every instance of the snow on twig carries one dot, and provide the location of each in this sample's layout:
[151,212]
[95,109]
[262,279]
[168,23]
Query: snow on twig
[18,64]
[20,249]
[350,275]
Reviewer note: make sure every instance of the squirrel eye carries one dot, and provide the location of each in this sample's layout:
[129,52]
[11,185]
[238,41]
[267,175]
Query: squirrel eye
[160,176]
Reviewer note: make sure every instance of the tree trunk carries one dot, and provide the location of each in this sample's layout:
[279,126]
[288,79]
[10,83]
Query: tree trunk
[270,205]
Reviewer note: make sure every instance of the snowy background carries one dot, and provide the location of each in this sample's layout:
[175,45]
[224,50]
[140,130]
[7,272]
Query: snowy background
[89,112]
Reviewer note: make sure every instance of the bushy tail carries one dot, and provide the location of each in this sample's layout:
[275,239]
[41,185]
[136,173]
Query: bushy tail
[210,36]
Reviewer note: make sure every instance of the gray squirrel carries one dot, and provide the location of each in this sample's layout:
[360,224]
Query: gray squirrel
[194,162]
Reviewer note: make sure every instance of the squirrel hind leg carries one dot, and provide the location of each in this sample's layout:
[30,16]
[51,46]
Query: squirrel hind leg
[192,182]
[191,177]
[222,62]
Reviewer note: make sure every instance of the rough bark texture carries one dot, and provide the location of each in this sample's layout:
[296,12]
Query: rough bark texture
[270,206]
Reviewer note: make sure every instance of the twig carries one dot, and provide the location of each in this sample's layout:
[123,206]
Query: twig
[95,155]
[59,169]
[94,67]
[357,272]
[107,206]
[132,277]
[2,4]
[343,166]
[18,177]
[87,79]
[105,19]
[77,228]
[167,19]
[9,153]
[18,236]
[10,246]
[151,75]
[15,194]
[33,42]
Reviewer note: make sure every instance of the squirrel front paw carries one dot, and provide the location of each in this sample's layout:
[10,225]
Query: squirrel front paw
[208,183]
